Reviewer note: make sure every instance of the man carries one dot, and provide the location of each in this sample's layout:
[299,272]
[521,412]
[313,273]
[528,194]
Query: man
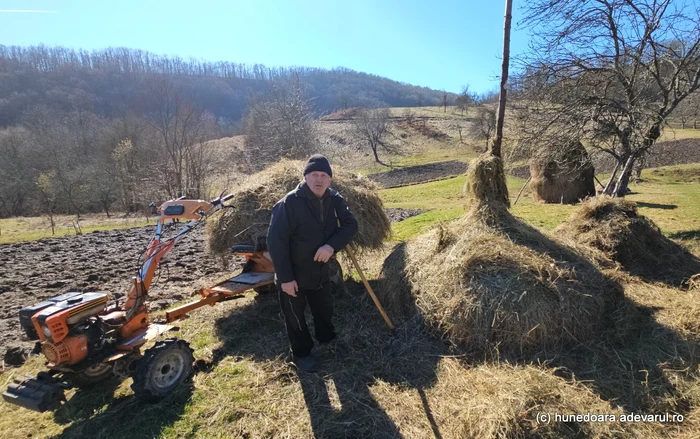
[303,236]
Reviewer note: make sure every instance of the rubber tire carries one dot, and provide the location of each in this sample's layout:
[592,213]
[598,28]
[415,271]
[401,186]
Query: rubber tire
[145,385]
[89,378]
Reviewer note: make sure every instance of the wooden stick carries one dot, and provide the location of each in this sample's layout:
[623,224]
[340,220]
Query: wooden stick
[521,190]
[386,318]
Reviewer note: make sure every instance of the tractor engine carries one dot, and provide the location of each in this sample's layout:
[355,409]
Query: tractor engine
[66,326]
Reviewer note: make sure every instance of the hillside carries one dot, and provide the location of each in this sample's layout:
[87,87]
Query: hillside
[114,80]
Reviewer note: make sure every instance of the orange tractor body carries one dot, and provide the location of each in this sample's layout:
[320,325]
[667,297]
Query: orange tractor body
[86,337]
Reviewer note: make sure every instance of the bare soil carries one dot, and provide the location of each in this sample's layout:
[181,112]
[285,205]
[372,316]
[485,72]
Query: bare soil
[419,174]
[397,214]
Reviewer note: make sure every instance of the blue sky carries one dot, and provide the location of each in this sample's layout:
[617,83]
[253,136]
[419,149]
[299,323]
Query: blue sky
[440,44]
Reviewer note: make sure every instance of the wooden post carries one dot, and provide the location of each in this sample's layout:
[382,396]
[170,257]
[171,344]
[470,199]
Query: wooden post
[496,145]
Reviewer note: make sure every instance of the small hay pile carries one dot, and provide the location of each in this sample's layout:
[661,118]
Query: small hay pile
[247,221]
[562,174]
[614,227]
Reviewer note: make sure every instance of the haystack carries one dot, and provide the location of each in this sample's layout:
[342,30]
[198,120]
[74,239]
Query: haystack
[614,227]
[246,222]
[562,174]
[489,281]
[486,183]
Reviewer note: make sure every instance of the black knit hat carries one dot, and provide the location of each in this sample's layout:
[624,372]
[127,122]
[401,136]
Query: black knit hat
[318,162]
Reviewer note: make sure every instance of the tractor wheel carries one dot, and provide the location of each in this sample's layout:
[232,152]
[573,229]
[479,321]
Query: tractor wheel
[92,375]
[161,369]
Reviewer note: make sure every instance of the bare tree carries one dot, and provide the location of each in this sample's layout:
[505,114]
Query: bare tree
[464,99]
[181,127]
[279,124]
[688,110]
[483,126]
[610,72]
[16,178]
[444,101]
[372,127]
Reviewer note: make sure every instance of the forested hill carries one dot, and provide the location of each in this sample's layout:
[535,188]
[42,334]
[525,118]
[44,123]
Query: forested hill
[111,81]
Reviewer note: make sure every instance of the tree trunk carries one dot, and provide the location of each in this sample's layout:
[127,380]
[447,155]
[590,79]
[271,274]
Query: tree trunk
[496,145]
[376,157]
[608,187]
[621,185]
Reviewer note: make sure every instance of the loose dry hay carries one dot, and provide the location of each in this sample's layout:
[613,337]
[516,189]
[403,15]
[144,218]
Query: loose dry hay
[614,227]
[486,182]
[490,282]
[249,217]
[562,174]
[505,401]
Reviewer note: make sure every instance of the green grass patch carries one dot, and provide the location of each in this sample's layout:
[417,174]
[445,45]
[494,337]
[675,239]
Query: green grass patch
[418,224]
[671,203]
[20,229]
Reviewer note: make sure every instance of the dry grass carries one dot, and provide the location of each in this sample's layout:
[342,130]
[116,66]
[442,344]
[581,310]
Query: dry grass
[248,218]
[614,227]
[486,183]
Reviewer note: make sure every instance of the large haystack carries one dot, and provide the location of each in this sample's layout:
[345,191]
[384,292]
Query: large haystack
[614,227]
[246,222]
[491,282]
[562,174]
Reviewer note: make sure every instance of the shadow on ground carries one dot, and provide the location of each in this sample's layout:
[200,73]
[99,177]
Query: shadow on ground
[657,206]
[338,398]
[96,413]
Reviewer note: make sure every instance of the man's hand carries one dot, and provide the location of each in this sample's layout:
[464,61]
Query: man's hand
[324,253]
[290,288]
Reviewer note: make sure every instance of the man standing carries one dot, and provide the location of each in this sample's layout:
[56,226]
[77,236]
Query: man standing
[308,226]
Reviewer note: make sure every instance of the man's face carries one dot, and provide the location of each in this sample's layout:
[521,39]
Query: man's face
[318,182]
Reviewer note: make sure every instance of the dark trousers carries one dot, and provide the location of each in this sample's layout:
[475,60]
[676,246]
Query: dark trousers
[321,305]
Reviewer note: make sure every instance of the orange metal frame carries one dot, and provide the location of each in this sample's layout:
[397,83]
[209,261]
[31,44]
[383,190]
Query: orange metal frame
[256,262]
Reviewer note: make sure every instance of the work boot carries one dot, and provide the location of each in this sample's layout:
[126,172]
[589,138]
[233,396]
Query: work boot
[307,364]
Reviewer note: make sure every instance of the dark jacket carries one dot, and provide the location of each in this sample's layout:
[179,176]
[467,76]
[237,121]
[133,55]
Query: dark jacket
[301,223]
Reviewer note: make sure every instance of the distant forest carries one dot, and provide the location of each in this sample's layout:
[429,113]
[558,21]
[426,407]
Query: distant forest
[112,81]
[111,130]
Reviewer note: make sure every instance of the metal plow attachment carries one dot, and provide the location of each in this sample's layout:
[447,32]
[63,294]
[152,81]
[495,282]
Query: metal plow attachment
[40,393]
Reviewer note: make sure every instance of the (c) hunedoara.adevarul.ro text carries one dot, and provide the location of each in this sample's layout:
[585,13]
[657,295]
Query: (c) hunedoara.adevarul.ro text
[548,418]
